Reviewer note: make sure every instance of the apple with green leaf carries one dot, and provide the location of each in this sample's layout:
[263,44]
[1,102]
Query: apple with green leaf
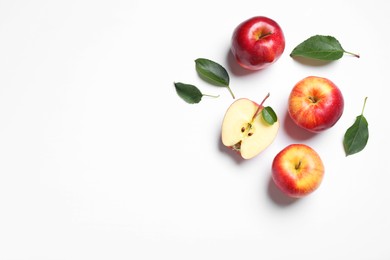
[248,127]
[297,170]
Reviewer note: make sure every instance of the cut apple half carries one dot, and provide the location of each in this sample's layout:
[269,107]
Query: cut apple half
[245,130]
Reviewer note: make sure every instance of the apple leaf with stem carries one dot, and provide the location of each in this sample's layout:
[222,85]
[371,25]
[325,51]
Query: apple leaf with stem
[356,136]
[213,73]
[267,113]
[322,48]
[189,93]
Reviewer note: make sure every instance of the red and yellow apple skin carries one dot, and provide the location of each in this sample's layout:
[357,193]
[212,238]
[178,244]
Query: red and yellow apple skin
[297,170]
[257,43]
[315,104]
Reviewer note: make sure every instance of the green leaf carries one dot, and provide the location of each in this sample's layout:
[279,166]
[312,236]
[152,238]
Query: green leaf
[269,115]
[213,73]
[189,93]
[320,47]
[356,136]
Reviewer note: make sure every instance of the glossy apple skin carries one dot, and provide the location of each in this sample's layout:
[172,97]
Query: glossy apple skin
[257,43]
[297,170]
[315,104]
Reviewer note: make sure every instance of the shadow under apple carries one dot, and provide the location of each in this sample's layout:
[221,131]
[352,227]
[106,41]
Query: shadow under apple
[277,196]
[234,67]
[294,131]
[233,154]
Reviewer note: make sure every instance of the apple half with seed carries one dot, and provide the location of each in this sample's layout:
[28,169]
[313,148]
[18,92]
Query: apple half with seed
[249,128]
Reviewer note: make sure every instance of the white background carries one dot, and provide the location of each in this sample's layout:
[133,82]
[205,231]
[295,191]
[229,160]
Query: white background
[100,159]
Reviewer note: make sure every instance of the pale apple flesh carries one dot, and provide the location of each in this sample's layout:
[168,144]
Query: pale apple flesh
[247,135]
[297,170]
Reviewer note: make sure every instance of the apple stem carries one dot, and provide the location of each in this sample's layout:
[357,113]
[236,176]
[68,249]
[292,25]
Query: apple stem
[213,96]
[297,166]
[265,35]
[353,54]
[267,96]
[260,106]
[231,92]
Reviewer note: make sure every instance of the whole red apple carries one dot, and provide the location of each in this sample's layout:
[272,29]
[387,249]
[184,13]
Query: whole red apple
[297,170]
[257,42]
[315,104]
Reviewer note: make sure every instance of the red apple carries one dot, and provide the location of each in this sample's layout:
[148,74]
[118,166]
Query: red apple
[315,104]
[257,43]
[297,170]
